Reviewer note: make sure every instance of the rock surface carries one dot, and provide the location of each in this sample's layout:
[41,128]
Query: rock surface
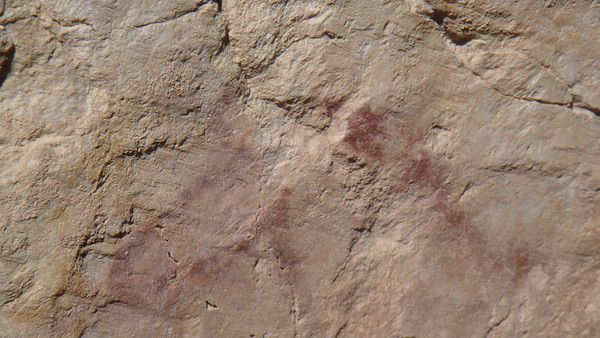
[281,168]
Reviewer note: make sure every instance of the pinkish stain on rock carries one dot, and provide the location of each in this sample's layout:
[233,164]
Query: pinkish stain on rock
[278,212]
[206,243]
[521,261]
[366,132]
[416,170]
[229,97]
[517,263]
[274,231]
[455,220]
[213,269]
[142,268]
[218,263]
[420,171]
[456,225]
[190,194]
[333,106]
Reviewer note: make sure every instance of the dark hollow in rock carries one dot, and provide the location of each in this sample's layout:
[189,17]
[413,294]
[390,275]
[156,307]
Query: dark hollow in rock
[7,53]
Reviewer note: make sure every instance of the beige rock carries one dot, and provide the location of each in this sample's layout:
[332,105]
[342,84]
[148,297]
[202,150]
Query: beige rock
[298,168]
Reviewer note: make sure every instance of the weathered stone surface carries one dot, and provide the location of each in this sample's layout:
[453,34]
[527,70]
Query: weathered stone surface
[299,168]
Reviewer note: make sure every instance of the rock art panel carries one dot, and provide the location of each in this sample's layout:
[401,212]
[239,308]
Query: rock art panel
[422,168]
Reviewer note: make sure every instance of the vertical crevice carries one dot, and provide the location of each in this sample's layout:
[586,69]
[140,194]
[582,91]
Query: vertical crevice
[7,53]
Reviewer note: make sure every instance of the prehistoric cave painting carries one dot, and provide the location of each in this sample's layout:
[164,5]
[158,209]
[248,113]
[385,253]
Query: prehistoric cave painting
[228,240]
[394,143]
[451,243]
[366,132]
[419,171]
[172,263]
[331,106]
[206,248]
[273,229]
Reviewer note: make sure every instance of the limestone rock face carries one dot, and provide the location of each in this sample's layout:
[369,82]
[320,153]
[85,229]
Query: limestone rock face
[299,168]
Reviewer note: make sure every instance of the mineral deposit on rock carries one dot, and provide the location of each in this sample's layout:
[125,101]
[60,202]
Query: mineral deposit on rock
[299,168]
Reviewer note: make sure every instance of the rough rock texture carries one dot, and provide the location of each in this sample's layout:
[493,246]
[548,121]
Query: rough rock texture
[280,168]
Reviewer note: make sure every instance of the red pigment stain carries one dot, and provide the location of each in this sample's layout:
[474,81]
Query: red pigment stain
[278,212]
[521,261]
[275,233]
[455,220]
[189,195]
[141,269]
[228,97]
[333,106]
[366,132]
[146,277]
[219,126]
[274,230]
[206,244]
[419,172]
[517,264]
[422,173]
[214,267]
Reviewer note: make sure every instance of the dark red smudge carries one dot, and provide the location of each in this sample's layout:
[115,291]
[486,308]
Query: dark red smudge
[366,132]
[152,273]
[521,261]
[146,277]
[277,215]
[420,173]
[190,194]
[456,225]
[131,281]
[274,230]
[214,267]
[333,106]
[517,263]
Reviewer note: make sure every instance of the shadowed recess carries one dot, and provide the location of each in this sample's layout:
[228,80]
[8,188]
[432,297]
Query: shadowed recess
[7,53]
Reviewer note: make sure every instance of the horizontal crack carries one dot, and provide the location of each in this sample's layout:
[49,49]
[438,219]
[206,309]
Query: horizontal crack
[174,16]
[584,106]
[575,101]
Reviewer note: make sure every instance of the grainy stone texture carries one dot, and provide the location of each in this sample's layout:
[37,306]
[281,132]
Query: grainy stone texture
[281,168]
